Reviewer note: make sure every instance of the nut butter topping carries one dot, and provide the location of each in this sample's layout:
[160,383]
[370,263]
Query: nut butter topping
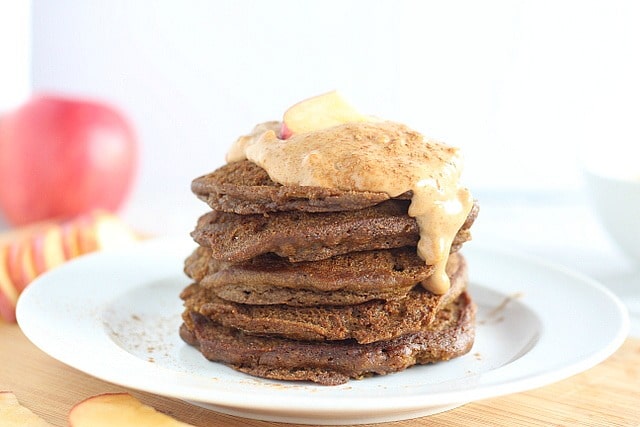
[380,157]
[236,152]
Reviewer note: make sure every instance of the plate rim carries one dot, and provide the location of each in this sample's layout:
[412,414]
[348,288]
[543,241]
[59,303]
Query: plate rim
[324,405]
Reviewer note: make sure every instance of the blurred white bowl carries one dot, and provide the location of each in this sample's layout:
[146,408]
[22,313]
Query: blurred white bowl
[614,189]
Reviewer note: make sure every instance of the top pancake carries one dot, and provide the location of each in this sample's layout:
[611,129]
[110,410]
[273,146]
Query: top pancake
[245,188]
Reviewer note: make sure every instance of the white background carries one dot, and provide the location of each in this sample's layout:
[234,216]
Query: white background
[15,65]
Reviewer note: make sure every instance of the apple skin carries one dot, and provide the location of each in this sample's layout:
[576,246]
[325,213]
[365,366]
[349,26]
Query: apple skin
[61,157]
[285,132]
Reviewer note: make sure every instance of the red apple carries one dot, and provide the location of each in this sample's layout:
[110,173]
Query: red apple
[60,157]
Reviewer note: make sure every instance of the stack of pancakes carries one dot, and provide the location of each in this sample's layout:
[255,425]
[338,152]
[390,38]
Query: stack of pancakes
[319,284]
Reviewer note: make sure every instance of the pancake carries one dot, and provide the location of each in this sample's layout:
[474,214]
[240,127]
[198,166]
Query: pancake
[344,279]
[368,322]
[334,362]
[245,188]
[304,236]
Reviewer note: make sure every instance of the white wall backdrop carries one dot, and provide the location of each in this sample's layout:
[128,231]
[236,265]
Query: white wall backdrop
[522,87]
[15,53]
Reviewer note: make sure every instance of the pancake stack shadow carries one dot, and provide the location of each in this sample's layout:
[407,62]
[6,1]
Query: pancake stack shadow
[316,284]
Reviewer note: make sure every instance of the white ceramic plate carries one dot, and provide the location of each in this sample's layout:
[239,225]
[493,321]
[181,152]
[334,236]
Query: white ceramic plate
[115,315]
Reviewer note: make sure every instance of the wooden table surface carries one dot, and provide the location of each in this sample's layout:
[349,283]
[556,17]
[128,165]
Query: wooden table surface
[606,395]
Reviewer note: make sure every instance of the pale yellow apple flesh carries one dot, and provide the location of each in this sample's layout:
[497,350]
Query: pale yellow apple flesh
[70,245]
[118,409]
[320,112]
[111,232]
[13,414]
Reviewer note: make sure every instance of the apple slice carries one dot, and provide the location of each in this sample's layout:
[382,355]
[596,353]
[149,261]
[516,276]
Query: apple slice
[24,265]
[102,230]
[12,261]
[27,252]
[20,258]
[16,272]
[111,232]
[47,249]
[13,414]
[7,306]
[8,290]
[118,409]
[85,233]
[70,244]
[320,112]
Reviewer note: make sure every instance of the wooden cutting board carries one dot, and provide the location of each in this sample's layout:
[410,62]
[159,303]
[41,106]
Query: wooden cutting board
[606,395]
